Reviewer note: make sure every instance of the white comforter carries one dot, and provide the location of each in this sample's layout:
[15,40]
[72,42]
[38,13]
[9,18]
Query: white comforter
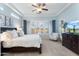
[32,40]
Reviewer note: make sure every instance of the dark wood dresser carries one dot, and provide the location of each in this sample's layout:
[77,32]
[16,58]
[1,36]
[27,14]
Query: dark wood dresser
[71,41]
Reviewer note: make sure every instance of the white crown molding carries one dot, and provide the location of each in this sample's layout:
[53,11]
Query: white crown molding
[20,13]
[63,9]
[14,9]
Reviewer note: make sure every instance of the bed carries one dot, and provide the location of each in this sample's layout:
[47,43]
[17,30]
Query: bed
[26,43]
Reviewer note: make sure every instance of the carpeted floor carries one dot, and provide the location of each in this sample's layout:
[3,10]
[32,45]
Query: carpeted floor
[49,48]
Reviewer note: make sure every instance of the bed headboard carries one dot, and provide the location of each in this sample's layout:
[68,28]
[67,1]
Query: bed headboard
[3,29]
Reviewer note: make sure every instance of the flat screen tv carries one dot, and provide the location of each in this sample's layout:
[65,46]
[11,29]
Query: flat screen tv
[73,26]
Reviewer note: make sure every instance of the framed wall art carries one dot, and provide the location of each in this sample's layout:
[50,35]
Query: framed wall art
[2,20]
[8,21]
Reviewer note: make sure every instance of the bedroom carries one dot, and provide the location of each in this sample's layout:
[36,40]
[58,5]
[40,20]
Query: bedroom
[41,29]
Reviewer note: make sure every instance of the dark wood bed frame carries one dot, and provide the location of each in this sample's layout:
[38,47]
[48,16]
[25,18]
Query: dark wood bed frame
[18,49]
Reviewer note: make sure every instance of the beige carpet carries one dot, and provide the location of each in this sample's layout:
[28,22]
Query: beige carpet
[49,48]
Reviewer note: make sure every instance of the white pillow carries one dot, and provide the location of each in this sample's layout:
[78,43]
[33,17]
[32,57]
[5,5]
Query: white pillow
[6,36]
[14,33]
[20,33]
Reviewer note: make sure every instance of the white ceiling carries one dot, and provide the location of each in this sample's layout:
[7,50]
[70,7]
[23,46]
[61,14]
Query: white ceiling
[26,9]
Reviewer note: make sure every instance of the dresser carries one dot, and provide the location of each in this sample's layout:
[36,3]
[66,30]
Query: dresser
[71,41]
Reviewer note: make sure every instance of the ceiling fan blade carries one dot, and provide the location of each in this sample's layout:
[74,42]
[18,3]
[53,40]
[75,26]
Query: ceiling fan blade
[43,4]
[44,9]
[39,4]
[34,5]
[33,10]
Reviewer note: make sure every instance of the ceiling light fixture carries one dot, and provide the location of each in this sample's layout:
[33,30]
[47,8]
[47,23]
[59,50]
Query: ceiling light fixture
[39,7]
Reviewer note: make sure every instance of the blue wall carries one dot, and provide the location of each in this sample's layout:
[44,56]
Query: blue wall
[71,13]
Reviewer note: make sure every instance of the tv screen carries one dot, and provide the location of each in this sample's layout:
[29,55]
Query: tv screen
[73,26]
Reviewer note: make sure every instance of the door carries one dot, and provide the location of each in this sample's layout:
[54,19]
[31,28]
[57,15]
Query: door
[25,26]
[54,26]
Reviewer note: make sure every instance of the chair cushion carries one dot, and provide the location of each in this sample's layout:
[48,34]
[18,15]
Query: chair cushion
[53,36]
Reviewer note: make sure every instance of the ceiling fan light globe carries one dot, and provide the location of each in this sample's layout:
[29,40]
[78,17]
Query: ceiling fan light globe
[39,9]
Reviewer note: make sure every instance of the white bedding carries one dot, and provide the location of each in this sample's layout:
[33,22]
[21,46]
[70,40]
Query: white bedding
[31,40]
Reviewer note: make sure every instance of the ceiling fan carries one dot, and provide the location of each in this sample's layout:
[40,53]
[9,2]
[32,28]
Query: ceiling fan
[39,7]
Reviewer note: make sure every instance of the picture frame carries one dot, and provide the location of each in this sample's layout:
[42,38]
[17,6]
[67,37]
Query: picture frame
[2,20]
[8,21]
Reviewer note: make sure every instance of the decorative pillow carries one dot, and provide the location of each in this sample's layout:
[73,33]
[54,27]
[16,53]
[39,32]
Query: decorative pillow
[6,36]
[20,33]
[14,33]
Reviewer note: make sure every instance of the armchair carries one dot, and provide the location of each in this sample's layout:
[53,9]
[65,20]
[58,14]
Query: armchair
[54,36]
